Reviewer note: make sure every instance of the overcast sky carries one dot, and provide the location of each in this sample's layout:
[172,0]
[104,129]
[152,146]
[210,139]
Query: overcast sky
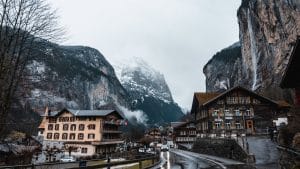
[176,37]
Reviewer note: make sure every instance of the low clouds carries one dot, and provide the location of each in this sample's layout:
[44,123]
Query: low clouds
[176,37]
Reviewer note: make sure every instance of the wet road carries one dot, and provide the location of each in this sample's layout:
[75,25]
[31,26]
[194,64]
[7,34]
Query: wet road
[175,160]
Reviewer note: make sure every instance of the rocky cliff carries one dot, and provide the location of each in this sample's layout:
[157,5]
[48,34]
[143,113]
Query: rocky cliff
[268,31]
[71,76]
[148,90]
[224,70]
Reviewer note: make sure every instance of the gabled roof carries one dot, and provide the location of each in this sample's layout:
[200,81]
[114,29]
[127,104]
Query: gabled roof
[85,113]
[291,78]
[184,124]
[176,123]
[204,97]
[200,98]
[283,104]
[240,88]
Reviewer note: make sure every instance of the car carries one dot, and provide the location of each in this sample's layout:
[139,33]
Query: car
[141,150]
[164,147]
[68,159]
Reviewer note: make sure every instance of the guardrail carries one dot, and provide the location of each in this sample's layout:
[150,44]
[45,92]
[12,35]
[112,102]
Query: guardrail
[153,159]
[290,150]
[90,164]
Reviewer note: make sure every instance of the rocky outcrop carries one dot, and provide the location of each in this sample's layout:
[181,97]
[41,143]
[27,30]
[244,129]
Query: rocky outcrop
[71,76]
[224,70]
[268,31]
[149,91]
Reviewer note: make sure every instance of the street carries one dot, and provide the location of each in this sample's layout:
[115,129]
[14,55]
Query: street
[177,160]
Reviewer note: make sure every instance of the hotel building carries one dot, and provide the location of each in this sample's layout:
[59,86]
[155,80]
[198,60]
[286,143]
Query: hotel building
[83,132]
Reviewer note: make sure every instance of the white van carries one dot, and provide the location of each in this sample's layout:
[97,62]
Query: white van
[164,147]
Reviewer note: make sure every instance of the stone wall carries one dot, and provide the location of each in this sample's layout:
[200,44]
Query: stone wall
[227,148]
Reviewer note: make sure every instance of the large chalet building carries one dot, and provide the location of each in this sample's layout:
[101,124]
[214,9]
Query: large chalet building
[236,111]
[84,132]
[154,134]
[185,133]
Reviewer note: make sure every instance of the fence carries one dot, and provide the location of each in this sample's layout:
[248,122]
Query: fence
[143,162]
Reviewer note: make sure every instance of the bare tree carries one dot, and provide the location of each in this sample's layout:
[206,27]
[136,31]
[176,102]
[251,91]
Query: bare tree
[22,23]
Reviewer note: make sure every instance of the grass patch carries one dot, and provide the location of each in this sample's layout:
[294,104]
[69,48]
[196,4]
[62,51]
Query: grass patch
[145,163]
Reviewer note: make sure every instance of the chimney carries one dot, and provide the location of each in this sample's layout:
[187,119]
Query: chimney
[47,111]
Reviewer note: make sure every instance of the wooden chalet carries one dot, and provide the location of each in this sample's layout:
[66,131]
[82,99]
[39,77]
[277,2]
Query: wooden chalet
[236,111]
[185,133]
[154,134]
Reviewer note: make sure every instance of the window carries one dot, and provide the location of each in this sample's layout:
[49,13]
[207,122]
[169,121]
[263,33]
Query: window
[83,150]
[81,118]
[81,127]
[72,119]
[229,100]
[50,127]
[220,102]
[52,120]
[255,101]
[228,125]
[91,126]
[215,113]
[56,126]
[65,127]
[92,118]
[72,136]
[56,136]
[80,136]
[218,125]
[237,112]
[238,125]
[49,136]
[63,119]
[73,127]
[91,136]
[64,136]
[248,112]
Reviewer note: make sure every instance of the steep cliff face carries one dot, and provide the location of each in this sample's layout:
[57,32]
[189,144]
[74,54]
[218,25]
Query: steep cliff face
[268,30]
[224,70]
[149,91]
[71,76]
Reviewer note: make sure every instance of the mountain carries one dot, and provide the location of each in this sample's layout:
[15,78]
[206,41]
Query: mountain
[72,76]
[268,31]
[228,59]
[148,90]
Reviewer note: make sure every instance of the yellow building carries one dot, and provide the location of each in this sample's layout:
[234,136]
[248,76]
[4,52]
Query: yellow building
[84,132]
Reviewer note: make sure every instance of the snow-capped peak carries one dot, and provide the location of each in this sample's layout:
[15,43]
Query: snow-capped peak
[136,75]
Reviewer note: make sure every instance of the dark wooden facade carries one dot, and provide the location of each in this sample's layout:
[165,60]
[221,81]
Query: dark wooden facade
[154,134]
[185,133]
[291,78]
[237,110]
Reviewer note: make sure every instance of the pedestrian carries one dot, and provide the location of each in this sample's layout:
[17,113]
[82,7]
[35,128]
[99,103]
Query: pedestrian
[271,133]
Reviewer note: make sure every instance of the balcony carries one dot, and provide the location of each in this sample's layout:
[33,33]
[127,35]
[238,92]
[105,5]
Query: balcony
[111,140]
[112,131]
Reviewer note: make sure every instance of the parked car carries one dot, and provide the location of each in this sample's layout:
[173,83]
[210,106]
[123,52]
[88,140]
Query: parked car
[68,159]
[164,147]
[141,150]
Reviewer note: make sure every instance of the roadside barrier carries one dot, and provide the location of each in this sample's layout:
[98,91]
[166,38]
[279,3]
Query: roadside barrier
[153,159]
